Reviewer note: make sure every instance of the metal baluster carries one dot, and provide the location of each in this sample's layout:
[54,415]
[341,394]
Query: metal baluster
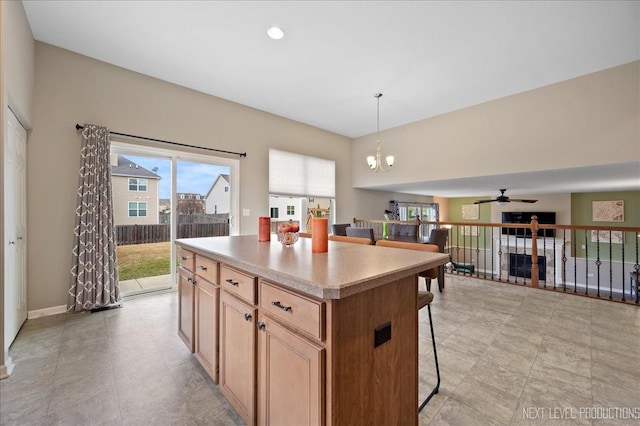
[586,263]
[610,267]
[544,254]
[637,270]
[564,260]
[478,252]
[623,259]
[575,262]
[598,262]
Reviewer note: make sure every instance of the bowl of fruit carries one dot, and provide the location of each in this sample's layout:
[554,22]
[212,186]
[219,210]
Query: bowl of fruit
[288,234]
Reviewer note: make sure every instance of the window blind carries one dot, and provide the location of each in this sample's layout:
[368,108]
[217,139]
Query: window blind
[301,175]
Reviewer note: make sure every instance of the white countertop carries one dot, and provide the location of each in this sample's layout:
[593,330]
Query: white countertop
[344,270]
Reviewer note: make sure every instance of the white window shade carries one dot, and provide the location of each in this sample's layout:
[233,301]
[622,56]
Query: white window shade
[301,175]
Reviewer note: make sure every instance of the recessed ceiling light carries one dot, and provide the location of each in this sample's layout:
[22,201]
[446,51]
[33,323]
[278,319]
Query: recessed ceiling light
[275,33]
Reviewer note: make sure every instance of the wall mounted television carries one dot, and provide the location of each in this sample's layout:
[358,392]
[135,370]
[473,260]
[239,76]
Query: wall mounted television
[547,218]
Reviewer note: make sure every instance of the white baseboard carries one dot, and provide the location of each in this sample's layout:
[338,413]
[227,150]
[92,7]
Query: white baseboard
[6,368]
[47,311]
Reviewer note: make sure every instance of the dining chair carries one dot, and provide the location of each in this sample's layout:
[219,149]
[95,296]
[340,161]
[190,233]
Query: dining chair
[344,239]
[340,228]
[362,233]
[404,230]
[439,237]
[424,299]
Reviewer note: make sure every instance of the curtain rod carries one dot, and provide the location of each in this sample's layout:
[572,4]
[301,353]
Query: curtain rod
[241,154]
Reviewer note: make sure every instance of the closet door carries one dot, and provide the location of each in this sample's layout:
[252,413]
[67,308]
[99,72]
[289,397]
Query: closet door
[15,228]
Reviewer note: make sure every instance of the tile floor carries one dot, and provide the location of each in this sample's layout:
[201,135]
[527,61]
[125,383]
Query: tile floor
[508,356]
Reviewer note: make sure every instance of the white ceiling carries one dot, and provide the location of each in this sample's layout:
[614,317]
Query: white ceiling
[427,58]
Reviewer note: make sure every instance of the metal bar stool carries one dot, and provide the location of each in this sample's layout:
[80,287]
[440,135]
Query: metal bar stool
[424,299]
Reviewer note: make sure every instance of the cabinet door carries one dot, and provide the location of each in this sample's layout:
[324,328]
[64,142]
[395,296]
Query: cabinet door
[206,326]
[237,355]
[185,307]
[290,377]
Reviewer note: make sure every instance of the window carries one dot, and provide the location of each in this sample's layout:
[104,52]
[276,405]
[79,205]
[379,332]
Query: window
[136,184]
[137,209]
[301,175]
[226,189]
[291,210]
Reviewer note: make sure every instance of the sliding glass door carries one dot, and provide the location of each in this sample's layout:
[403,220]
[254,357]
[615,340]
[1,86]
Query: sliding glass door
[160,195]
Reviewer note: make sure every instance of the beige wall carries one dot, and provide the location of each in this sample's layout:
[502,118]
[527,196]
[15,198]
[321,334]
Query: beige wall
[72,89]
[122,196]
[16,91]
[586,121]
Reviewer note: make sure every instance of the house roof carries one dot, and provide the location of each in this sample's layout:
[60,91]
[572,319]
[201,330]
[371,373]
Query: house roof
[220,176]
[127,167]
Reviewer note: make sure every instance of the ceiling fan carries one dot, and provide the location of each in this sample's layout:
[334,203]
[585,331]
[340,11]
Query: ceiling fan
[503,199]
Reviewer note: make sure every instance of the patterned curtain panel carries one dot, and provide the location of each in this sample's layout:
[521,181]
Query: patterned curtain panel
[94,274]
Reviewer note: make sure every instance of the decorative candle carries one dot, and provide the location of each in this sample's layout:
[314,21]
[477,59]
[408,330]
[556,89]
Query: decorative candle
[320,235]
[264,228]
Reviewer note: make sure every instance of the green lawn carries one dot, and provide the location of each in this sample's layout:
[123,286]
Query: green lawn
[144,260]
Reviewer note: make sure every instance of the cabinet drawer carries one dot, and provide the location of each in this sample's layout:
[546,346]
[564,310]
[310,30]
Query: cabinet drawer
[207,269]
[186,258]
[239,283]
[298,311]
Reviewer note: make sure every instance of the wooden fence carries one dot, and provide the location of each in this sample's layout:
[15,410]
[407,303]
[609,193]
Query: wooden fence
[146,234]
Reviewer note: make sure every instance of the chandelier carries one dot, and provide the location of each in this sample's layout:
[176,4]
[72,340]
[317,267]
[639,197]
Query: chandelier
[375,162]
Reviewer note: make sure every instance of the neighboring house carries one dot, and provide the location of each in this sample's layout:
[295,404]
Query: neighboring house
[135,192]
[218,199]
[190,203]
[164,206]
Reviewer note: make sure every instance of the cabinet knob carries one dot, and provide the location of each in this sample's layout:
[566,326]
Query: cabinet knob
[193,282]
[202,268]
[281,306]
[189,279]
[183,258]
[232,282]
[11,242]
[261,325]
[247,317]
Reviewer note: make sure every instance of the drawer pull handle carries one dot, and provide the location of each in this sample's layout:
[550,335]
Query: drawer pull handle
[232,282]
[279,305]
[183,257]
[202,268]
[247,317]
[193,282]
[260,325]
[189,279]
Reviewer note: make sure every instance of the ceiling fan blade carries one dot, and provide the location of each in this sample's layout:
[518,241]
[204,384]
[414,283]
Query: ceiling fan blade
[524,201]
[484,201]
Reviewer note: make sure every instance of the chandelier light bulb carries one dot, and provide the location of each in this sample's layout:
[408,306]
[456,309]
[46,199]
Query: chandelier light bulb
[375,162]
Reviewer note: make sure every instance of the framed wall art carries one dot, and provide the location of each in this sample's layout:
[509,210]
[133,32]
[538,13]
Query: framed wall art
[608,211]
[470,212]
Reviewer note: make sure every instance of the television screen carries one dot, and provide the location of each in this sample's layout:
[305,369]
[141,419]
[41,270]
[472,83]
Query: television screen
[548,218]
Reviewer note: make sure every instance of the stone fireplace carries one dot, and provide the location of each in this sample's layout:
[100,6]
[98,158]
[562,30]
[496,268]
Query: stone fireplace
[512,258]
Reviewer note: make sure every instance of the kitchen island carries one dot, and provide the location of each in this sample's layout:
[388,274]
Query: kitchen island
[294,337]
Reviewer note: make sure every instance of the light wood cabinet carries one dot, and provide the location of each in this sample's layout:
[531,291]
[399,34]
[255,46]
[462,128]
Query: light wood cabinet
[186,305]
[288,355]
[206,327]
[290,377]
[207,295]
[238,355]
